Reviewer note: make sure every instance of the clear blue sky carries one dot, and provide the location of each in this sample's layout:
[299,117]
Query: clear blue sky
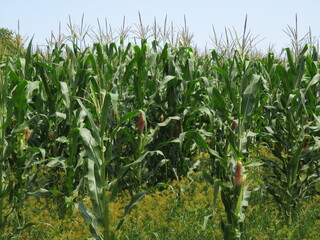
[265,18]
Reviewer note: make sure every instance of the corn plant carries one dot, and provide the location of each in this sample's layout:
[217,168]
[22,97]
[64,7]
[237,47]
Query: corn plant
[122,116]
[105,122]
[4,148]
[234,101]
[291,131]
[17,153]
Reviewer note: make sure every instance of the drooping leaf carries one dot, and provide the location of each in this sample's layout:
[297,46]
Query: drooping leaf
[134,201]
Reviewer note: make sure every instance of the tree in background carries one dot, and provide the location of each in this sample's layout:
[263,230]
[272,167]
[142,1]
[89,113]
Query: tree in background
[10,43]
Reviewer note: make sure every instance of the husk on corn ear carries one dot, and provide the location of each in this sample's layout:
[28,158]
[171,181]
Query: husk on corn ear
[141,122]
[307,139]
[27,133]
[234,125]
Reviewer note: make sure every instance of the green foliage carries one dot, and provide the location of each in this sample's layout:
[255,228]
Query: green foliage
[117,118]
[291,132]
[172,212]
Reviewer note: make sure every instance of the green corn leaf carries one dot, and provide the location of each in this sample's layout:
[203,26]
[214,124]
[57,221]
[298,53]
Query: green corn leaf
[126,52]
[92,148]
[246,197]
[55,191]
[87,137]
[114,103]
[94,128]
[168,120]
[65,94]
[300,66]
[162,86]
[37,193]
[294,164]
[57,161]
[90,219]
[208,112]
[313,82]
[216,186]
[311,66]
[237,202]
[114,187]
[221,71]
[249,96]
[95,91]
[134,201]
[139,160]
[194,135]
[290,59]
[94,182]
[205,221]
[105,113]
[218,101]
[20,101]
[28,60]
[129,115]
[207,178]
[31,88]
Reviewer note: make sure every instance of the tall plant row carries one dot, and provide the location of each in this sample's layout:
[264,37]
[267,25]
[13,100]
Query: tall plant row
[118,117]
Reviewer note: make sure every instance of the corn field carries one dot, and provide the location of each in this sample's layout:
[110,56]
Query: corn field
[130,117]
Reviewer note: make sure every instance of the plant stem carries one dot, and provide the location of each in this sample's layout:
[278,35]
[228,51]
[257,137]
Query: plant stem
[1,188]
[140,150]
[2,148]
[105,199]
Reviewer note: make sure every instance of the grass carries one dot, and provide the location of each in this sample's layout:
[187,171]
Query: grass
[264,221]
[174,212]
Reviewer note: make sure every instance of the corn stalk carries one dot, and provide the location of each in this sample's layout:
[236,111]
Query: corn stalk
[291,132]
[234,100]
